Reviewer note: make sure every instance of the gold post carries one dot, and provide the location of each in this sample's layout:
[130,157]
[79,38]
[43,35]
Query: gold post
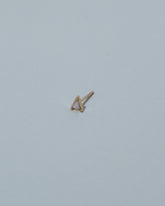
[87,96]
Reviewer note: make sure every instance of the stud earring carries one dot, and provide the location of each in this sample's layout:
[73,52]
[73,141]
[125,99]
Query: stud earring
[78,104]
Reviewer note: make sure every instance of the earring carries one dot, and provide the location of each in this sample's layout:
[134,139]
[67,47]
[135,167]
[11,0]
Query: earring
[78,104]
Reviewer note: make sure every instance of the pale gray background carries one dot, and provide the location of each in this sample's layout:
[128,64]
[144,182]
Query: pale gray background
[114,153]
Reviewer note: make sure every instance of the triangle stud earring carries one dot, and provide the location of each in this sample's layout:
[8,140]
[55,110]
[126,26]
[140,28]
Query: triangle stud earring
[78,104]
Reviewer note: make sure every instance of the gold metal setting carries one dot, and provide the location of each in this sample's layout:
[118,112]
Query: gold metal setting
[78,104]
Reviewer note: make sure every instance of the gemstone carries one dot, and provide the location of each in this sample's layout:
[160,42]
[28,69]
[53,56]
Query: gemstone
[76,105]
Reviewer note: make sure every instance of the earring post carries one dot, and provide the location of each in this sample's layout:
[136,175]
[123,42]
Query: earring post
[87,96]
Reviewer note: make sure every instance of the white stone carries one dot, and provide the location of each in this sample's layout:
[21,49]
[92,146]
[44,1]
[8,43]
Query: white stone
[76,105]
